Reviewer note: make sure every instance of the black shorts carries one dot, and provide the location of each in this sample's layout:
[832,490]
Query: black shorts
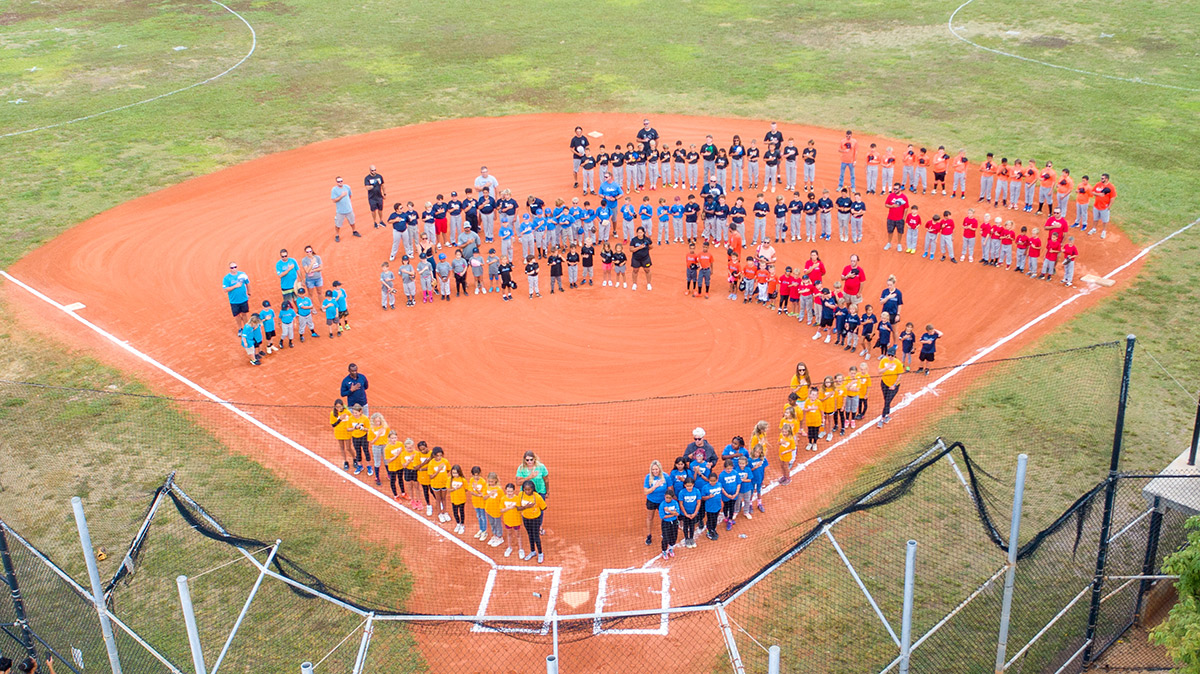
[638,264]
[376,203]
[343,314]
[894,226]
[926,357]
[939,176]
[410,474]
[826,322]
[270,334]
[651,505]
[867,336]
[240,308]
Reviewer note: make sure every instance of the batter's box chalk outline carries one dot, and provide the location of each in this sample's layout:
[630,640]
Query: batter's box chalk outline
[551,600]
[665,591]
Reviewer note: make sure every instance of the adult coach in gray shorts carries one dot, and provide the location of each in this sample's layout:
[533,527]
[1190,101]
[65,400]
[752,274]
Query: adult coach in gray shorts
[343,210]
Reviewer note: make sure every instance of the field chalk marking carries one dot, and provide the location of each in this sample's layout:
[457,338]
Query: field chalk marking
[664,591]
[248,418]
[551,599]
[253,46]
[1130,80]
[910,398]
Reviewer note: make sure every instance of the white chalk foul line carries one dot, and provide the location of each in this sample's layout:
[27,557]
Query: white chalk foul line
[253,46]
[910,398]
[249,419]
[1129,80]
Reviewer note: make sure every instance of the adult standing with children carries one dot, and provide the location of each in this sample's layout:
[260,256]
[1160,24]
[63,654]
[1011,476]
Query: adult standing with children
[375,195]
[853,276]
[579,146]
[485,179]
[891,299]
[287,269]
[343,209]
[237,289]
[890,369]
[354,388]
[535,471]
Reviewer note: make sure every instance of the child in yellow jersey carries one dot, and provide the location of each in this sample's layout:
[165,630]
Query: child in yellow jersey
[759,436]
[491,506]
[360,427]
[532,506]
[510,514]
[839,414]
[419,465]
[438,470]
[828,396]
[789,418]
[457,486]
[864,390]
[408,476]
[853,386]
[393,454]
[793,401]
[787,453]
[339,421]
[813,415]
[477,486]
[379,437]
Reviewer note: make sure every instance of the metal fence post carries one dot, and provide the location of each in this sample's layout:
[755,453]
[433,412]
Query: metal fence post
[554,626]
[1151,556]
[306,668]
[773,658]
[1110,494]
[1010,576]
[910,563]
[10,578]
[551,664]
[89,555]
[368,630]
[1195,435]
[189,621]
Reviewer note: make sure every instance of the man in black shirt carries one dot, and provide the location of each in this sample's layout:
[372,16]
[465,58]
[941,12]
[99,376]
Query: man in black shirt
[375,195]
[708,152]
[648,137]
[579,145]
[639,247]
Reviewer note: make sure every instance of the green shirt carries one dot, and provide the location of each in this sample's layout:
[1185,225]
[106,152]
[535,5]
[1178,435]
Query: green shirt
[538,475]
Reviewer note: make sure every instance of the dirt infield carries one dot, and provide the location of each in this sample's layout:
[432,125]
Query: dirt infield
[149,272]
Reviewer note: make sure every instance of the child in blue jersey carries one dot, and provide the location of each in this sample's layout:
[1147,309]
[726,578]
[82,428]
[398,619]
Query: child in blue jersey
[852,323]
[735,448]
[713,503]
[588,222]
[246,334]
[339,293]
[628,215]
[304,317]
[679,473]
[676,210]
[267,317]
[929,340]
[884,339]
[690,507]
[539,234]
[668,513]
[699,468]
[758,473]
[493,266]
[731,485]
[287,324]
[908,340]
[506,239]
[663,212]
[646,215]
[745,488]
[868,321]
[330,305]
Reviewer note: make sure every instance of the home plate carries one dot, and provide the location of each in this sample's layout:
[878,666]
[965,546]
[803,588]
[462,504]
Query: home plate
[74,307]
[1098,280]
[595,134]
[575,599]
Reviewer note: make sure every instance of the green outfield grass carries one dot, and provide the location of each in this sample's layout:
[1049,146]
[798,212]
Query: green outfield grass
[323,71]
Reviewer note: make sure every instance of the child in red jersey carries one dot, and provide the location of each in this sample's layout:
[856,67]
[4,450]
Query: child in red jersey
[970,226]
[1035,252]
[1022,250]
[807,291]
[785,289]
[1050,260]
[1006,245]
[985,239]
[794,297]
[911,222]
[1070,252]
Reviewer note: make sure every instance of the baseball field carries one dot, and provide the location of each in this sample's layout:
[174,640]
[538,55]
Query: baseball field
[148,145]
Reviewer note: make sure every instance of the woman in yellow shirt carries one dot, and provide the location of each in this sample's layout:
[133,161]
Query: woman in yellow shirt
[491,505]
[360,426]
[801,381]
[418,466]
[828,404]
[510,514]
[393,454]
[532,506]
[438,470]
[812,419]
[379,438]
[477,487]
[787,453]
[339,420]
[457,486]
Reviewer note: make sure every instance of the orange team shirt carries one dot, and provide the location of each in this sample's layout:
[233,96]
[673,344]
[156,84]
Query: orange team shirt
[828,400]
[864,388]
[787,448]
[772,283]
[1048,175]
[922,159]
[479,494]
[909,158]
[988,168]
[1083,192]
[491,504]
[1066,185]
[812,414]
[840,396]
[762,275]
[691,260]
[940,161]
[872,158]
[889,159]
[705,260]
[848,149]
[749,269]
[735,242]
[1004,171]
[458,490]
[960,163]
[852,386]
[1104,193]
[735,270]
[1031,174]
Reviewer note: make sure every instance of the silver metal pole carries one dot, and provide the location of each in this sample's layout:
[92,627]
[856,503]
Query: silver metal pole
[306,668]
[89,554]
[735,658]
[910,562]
[555,637]
[189,620]
[1010,576]
[363,645]
[245,607]
[773,657]
[551,664]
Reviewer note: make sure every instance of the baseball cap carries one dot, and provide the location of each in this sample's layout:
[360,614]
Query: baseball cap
[892,350]
[441,256]
[453,193]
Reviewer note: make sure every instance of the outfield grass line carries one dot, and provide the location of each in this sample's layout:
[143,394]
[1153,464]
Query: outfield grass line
[255,422]
[1129,80]
[253,46]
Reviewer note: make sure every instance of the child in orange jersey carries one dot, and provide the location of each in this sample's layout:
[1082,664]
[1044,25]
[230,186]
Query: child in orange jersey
[812,419]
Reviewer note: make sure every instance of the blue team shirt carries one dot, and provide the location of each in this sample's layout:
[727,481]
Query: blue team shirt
[660,491]
[712,498]
[330,306]
[628,212]
[339,294]
[929,342]
[604,213]
[287,316]
[668,511]
[676,210]
[730,483]
[664,213]
[238,295]
[645,212]
[758,467]
[699,469]
[247,335]
[689,501]
[745,480]
[730,453]
[304,305]
[907,339]
[288,280]
[506,233]
[267,316]
[676,478]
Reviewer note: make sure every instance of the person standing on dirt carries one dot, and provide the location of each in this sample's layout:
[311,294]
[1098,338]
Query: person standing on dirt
[648,136]
[700,444]
[579,146]
[485,179]
[343,209]
[354,389]
[237,289]
[375,195]
[890,369]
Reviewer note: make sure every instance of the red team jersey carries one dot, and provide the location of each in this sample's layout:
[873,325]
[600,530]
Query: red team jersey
[970,225]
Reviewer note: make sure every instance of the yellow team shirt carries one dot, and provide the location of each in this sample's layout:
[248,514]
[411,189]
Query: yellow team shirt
[458,490]
[478,488]
[800,387]
[852,386]
[889,370]
[360,425]
[492,504]
[532,505]
[379,434]
[422,475]
[864,388]
[787,448]
[828,400]
[840,391]
[812,414]
[511,518]
[406,456]
[341,425]
[756,438]
[439,473]
[394,455]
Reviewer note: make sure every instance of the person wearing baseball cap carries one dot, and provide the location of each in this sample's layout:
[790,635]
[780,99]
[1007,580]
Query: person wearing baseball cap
[890,369]
[237,289]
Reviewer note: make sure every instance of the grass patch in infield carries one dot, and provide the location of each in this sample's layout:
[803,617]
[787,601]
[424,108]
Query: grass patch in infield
[884,67]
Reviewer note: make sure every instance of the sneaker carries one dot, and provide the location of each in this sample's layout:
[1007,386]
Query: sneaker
[760,506]
[818,335]
[887,418]
[954,261]
[712,535]
[879,424]
[827,338]
[728,525]
[357,234]
[540,558]
[635,286]
[664,554]
[1103,235]
[337,238]
[626,285]
[749,516]
[649,540]
[508,552]
[357,468]
[429,511]
[648,287]
[671,551]
[887,246]
[346,466]
[370,471]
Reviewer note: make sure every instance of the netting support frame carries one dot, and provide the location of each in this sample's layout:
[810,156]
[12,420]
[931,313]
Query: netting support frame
[1110,494]
[246,607]
[10,579]
[1010,576]
[97,596]
[1156,519]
